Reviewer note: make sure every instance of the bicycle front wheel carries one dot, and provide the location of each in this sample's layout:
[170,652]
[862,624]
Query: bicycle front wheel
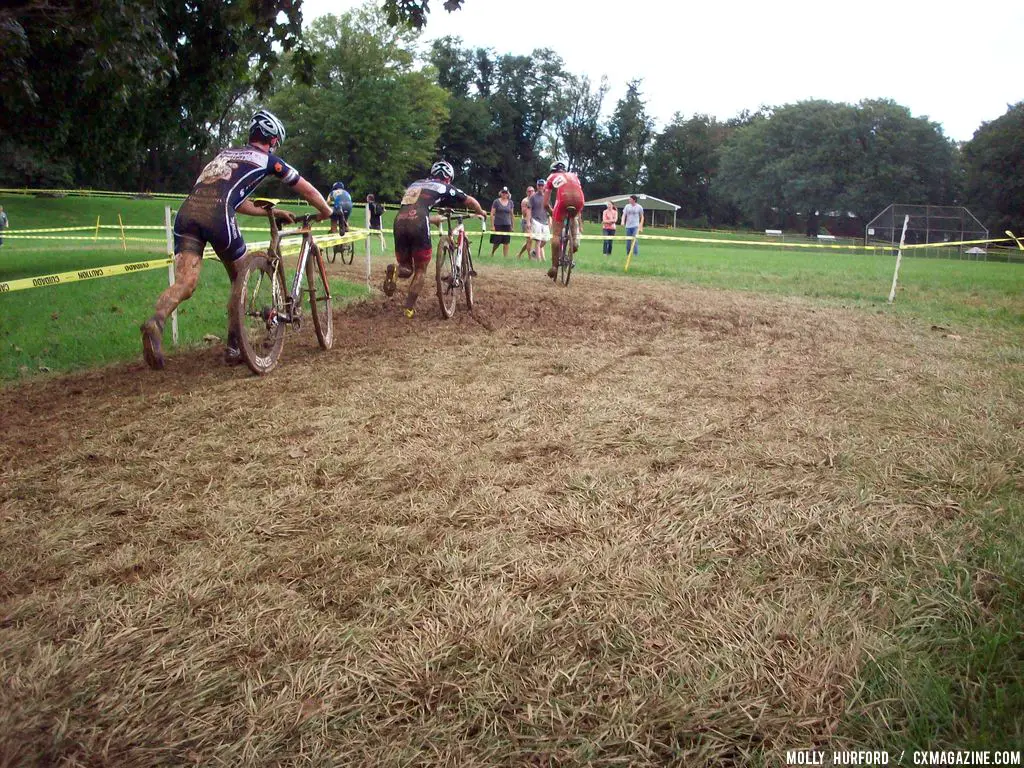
[467,278]
[258,303]
[348,253]
[319,298]
[447,278]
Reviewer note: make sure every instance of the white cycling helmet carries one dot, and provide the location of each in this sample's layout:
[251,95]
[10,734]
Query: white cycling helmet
[557,166]
[267,126]
[442,169]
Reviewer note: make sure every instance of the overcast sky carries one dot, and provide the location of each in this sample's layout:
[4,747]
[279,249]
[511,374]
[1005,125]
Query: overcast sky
[959,64]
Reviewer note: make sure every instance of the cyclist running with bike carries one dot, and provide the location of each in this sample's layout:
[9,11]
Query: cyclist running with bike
[413,246]
[208,216]
[341,207]
[569,193]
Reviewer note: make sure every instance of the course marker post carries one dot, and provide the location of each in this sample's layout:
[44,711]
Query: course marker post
[124,243]
[95,236]
[899,257]
[369,288]
[629,251]
[170,270]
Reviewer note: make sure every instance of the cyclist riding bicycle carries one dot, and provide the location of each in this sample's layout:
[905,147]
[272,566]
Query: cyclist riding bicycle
[208,216]
[413,245]
[341,207]
[569,193]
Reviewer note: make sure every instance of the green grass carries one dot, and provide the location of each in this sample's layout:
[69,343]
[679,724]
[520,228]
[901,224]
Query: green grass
[96,322]
[954,674]
[82,324]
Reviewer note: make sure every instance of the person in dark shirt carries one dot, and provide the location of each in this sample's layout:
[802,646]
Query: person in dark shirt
[413,246]
[208,217]
[376,212]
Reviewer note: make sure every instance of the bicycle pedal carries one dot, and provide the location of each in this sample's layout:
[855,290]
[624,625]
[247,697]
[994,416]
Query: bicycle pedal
[472,273]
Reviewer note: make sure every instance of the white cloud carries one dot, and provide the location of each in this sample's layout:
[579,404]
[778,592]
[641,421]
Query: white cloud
[956,63]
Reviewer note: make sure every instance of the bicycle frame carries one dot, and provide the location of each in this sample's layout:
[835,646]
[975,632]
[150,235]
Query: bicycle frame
[294,298]
[458,240]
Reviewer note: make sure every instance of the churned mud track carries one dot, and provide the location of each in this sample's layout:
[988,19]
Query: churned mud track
[620,523]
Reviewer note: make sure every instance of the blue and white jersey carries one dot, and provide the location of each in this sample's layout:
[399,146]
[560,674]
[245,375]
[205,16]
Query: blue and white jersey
[340,201]
[208,213]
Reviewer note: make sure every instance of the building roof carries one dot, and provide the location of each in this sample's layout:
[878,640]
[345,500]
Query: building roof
[648,202]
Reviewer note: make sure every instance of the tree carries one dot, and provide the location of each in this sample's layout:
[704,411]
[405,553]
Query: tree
[817,156]
[371,118]
[578,129]
[413,12]
[129,89]
[630,131]
[683,163]
[994,164]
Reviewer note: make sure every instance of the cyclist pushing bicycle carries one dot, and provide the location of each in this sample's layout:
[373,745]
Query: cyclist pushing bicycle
[569,194]
[208,216]
[413,246]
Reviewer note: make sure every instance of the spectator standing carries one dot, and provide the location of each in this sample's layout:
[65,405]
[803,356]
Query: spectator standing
[609,218]
[375,216]
[3,224]
[633,221]
[501,221]
[540,231]
[524,224]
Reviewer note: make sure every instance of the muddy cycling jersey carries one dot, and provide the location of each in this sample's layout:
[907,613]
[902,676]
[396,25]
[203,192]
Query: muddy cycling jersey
[412,224]
[424,194]
[208,213]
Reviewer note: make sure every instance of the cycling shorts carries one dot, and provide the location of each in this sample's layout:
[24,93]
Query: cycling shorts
[194,228]
[571,197]
[412,240]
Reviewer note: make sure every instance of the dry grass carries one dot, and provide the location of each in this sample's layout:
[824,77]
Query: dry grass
[619,528]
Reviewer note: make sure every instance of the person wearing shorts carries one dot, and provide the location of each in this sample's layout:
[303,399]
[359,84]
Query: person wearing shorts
[207,216]
[524,224]
[568,194]
[540,231]
[501,221]
[413,246]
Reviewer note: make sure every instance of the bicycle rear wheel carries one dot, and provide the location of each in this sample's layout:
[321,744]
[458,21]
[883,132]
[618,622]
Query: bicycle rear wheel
[319,298]
[447,278]
[348,253]
[563,254]
[258,302]
[570,250]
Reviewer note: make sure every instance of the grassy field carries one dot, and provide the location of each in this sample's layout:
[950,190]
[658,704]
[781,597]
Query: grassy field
[78,325]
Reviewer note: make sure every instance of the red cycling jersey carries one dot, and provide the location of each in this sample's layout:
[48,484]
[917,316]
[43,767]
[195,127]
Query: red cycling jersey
[568,193]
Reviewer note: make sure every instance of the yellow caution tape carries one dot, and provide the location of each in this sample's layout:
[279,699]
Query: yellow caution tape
[91,273]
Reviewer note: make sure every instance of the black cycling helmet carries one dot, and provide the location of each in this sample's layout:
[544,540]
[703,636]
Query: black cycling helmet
[442,169]
[266,126]
[557,166]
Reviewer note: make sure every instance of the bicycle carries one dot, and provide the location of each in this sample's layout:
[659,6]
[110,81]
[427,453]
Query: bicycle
[567,246]
[260,306]
[347,251]
[454,264]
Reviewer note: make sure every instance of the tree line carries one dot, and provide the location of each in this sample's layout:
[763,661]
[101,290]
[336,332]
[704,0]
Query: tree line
[105,94]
